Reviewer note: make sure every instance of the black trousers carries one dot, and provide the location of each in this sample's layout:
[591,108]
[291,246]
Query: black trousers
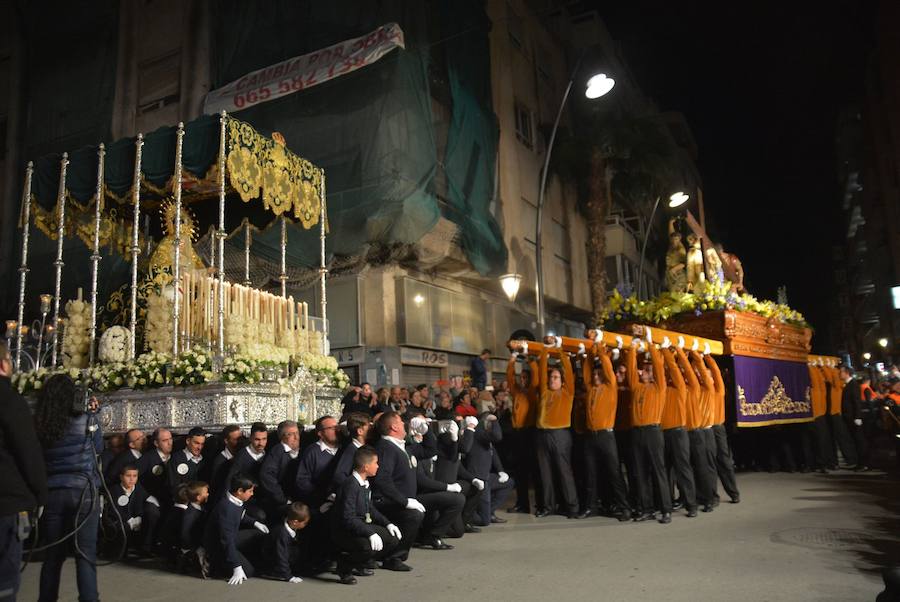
[354,552]
[524,467]
[494,496]
[650,468]
[860,444]
[441,509]
[249,546]
[626,456]
[602,455]
[10,557]
[703,461]
[823,445]
[554,455]
[724,463]
[678,465]
[473,498]
[409,522]
[843,439]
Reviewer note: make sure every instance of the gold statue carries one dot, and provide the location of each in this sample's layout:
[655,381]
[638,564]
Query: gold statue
[162,262]
[713,265]
[676,261]
[695,274]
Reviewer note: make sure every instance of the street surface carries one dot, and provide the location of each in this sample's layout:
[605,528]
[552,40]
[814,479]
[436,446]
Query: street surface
[792,537]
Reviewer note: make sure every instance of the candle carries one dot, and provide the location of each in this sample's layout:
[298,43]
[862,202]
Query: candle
[45,303]
[11,328]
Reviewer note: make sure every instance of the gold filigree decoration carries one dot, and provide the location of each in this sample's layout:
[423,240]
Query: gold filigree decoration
[262,168]
[774,403]
[114,232]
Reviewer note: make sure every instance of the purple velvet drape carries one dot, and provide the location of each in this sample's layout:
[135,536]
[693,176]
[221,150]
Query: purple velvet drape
[770,391]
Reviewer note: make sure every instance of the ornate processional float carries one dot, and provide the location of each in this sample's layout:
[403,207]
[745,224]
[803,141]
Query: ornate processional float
[190,336]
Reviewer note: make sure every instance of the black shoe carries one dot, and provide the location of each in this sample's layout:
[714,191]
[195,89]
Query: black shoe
[677,505]
[363,572]
[470,528]
[347,579]
[666,518]
[586,514]
[736,498]
[542,513]
[519,510]
[821,471]
[707,507]
[433,543]
[497,520]
[623,516]
[861,469]
[692,512]
[715,502]
[370,564]
[645,516]
[395,564]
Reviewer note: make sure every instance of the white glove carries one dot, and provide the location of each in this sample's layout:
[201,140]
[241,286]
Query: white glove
[454,488]
[418,425]
[619,342]
[514,355]
[648,334]
[635,341]
[581,350]
[261,527]
[680,342]
[453,429]
[471,422]
[325,507]
[414,504]
[503,477]
[666,343]
[706,349]
[858,422]
[642,346]
[295,580]
[394,530]
[375,542]
[134,523]
[40,511]
[525,347]
[615,355]
[490,418]
[153,501]
[478,484]
[237,576]
[696,345]
[598,335]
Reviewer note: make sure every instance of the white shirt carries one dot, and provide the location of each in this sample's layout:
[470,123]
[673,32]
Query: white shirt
[360,480]
[235,501]
[226,453]
[356,443]
[326,448]
[182,506]
[290,531]
[398,442]
[256,456]
[128,492]
[197,506]
[293,453]
[192,458]
[162,456]
[137,455]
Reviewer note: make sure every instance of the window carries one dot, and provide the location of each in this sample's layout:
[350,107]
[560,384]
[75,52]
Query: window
[560,243]
[159,82]
[524,129]
[528,215]
[515,28]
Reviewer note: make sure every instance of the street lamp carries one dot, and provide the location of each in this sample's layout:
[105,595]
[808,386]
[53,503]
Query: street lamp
[867,356]
[675,200]
[883,342]
[597,86]
[510,284]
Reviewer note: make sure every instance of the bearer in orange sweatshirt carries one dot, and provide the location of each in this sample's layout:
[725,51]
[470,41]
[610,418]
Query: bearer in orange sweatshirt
[648,397]
[678,447]
[724,463]
[699,419]
[525,391]
[554,440]
[600,440]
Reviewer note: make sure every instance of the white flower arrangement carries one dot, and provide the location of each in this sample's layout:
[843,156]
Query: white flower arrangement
[76,339]
[114,345]
[149,370]
[158,325]
[109,377]
[32,381]
[192,368]
[325,368]
[240,369]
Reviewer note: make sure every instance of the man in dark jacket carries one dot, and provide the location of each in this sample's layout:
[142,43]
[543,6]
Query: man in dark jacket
[22,474]
[276,474]
[478,370]
[484,463]
[852,413]
[452,445]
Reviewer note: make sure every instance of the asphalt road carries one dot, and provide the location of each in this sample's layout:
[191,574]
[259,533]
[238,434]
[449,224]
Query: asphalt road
[792,537]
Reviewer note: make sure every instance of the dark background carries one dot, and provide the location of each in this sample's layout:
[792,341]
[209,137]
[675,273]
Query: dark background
[761,84]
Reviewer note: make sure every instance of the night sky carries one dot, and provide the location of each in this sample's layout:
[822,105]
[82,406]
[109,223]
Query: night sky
[761,85]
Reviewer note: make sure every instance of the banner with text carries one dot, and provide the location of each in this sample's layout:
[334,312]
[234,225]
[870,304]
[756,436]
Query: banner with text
[770,391]
[304,71]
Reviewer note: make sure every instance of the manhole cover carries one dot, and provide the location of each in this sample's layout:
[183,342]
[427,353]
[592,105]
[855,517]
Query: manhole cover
[830,539]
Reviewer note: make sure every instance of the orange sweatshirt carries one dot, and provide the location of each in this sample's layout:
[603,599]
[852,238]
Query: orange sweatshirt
[707,392]
[602,399]
[555,411]
[818,395]
[647,400]
[837,389]
[524,401]
[718,398]
[692,411]
[676,393]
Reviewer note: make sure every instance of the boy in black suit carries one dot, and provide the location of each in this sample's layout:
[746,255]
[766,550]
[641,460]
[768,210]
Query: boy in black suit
[282,551]
[131,501]
[225,543]
[360,532]
[183,532]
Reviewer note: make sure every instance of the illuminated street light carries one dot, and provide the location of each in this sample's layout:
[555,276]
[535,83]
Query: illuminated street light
[510,284]
[867,356]
[883,342]
[678,199]
[418,299]
[599,85]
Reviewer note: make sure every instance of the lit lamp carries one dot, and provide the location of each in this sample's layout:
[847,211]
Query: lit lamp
[677,199]
[883,342]
[11,329]
[45,309]
[510,284]
[418,299]
[599,85]
[867,356]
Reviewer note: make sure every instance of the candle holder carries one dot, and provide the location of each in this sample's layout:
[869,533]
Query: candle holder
[45,309]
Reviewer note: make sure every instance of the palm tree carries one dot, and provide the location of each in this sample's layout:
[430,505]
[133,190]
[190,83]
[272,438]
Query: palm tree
[612,154]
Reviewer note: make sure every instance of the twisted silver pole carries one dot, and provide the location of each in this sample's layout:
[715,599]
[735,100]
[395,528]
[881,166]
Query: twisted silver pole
[246,252]
[95,255]
[176,270]
[23,269]
[323,271]
[60,233]
[135,246]
[223,117]
[283,276]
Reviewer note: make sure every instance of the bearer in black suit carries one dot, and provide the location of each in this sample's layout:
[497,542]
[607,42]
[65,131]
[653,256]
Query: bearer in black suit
[182,533]
[484,462]
[228,546]
[358,425]
[276,474]
[360,532]
[248,462]
[138,510]
[449,469]
[281,549]
[152,466]
[188,464]
[220,468]
[135,440]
